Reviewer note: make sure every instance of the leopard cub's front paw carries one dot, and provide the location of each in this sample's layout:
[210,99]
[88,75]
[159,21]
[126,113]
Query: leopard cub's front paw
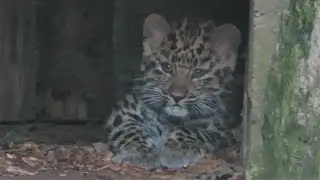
[175,159]
[146,160]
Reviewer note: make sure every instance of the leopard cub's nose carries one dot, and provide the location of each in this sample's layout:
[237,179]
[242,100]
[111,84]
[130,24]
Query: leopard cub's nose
[178,93]
[177,97]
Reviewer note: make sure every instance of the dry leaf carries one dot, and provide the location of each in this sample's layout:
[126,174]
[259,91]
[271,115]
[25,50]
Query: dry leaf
[32,161]
[32,146]
[62,174]
[51,157]
[11,156]
[18,171]
[29,146]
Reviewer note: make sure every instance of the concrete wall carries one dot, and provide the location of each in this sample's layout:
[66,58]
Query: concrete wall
[282,132]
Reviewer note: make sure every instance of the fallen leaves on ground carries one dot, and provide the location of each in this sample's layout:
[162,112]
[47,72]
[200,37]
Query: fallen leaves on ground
[30,158]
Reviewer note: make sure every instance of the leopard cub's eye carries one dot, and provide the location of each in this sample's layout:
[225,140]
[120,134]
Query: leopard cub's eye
[166,67]
[197,73]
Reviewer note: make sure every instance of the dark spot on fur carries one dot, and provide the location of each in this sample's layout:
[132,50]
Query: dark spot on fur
[191,137]
[126,103]
[134,99]
[220,128]
[132,105]
[117,121]
[218,60]
[116,135]
[136,138]
[130,125]
[205,59]
[215,135]
[150,65]
[195,62]
[135,117]
[157,71]
[193,56]
[223,142]
[147,80]
[207,80]
[130,135]
[159,130]
[165,53]
[186,131]
[107,131]
[179,134]
[218,73]
[207,136]
[174,59]
[200,49]
[173,46]
[163,43]
[212,64]
[123,142]
[117,107]
[199,137]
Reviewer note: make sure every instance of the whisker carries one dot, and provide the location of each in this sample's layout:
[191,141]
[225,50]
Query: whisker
[206,106]
[196,109]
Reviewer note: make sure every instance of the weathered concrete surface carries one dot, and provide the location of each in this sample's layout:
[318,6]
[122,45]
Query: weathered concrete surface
[282,87]
[265,19]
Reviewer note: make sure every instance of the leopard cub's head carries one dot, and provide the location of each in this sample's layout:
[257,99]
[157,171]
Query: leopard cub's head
[185,66]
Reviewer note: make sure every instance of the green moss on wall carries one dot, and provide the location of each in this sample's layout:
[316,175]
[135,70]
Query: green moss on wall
[289,147]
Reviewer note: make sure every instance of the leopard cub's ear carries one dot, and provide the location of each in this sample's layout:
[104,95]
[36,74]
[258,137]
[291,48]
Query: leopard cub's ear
[226,39]
[155,30]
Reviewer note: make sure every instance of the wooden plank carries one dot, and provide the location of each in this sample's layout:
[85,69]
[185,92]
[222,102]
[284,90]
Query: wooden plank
[18,62]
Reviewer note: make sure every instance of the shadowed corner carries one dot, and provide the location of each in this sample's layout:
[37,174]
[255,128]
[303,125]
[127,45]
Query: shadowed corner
[65,63]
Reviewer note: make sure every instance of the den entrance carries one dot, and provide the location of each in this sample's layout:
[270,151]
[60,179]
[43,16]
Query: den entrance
[66,62]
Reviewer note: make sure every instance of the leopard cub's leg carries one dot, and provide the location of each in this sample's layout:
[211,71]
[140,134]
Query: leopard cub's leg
[187,146]
[137,153]
[129,139]
[182,148]
[129,145]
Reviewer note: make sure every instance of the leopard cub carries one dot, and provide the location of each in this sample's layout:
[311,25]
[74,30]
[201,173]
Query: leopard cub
[176,111]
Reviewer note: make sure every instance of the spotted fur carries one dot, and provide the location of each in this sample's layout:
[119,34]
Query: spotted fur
[176,112]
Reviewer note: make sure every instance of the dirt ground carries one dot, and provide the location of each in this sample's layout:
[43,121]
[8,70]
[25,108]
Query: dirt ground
[73,175]
[76,152]
[53,134]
